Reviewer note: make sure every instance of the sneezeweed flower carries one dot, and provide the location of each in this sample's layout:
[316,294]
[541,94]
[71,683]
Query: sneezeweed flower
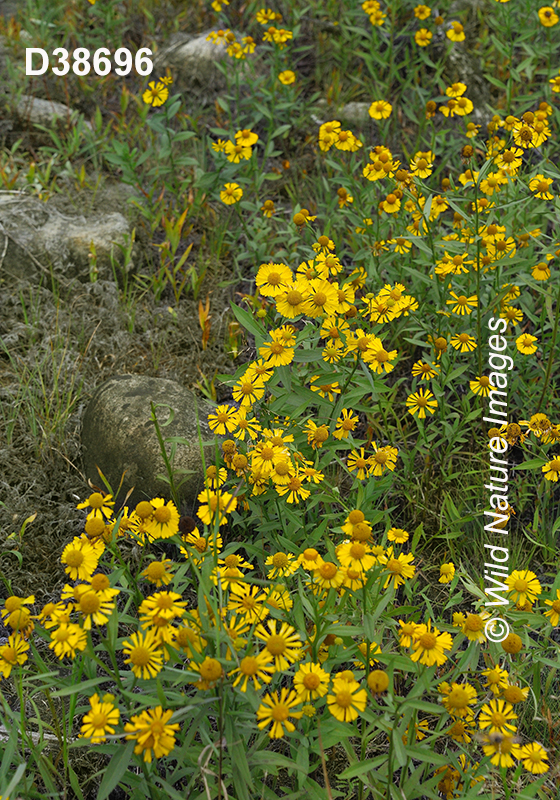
[458,698]
[423,37]
[430,645]
[164,522]
[156,94]
[534,758]
[67,639]
[348,699]
[463,342]
[379,359]
[523,586]
[100,720]
[273,279]
[384,458]
[512,644]
[223,420]
[283,644]
[473,626]
[256,668]
[425,371]
[355,555]
[421,401]
[277,710]
[496,679]
[501,748]
[446,572]
[496,716]
[462,304]
[345,424]
[80,559]
[540,186]
[552,469]
[282,564]
[456,33]
[268,208]
[287,77]
[12,653]
[144,654]
[248,390]
[399,569]
[359,462]
[158,572]
[153,732]
[231,193]
[515,694]
[407,633]
[526,344]
[481,386]
[398,535]
[547,16]
[541,271]
[101,505]
[311,682]
[553,612]
[380,109]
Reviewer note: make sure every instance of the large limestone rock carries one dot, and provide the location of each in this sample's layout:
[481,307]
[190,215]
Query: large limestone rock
[118,435]
[33,110]
[35,237]
[192,62]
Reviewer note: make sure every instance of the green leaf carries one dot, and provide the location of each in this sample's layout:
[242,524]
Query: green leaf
[115,770]
[78,688]
[249,322]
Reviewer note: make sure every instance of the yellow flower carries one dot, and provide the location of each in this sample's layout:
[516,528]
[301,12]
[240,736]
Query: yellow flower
[496,716]
[462,304]
[446,572]
[357,460]
[525,344]
[67,639]
[458,697]
[100,720]
[383,458]
[80,559]
[101,505]
[534,758]
[311,682]
[283,564]
[456,33]
[156,94]
[463,342]
[482,386]
[430,645]
[380,109]
[256,668]
[158,572]
[347,700]
[421,401]
[277,710]
[554,611]
[237,151]
[144,654]
[164,522]
[540,186]
[496,679]
[355,555]
[523,586]
[287,77]
[231,193]
[153,732]
[422,12]
[423,37]
[283,644]
[547,16]
[378,358]
[13,653]
[400,569]
[501,748]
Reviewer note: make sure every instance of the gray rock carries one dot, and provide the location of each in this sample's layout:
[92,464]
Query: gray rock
[356,113]
[119,436]
[35,236]
[33,110]
[192,62]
